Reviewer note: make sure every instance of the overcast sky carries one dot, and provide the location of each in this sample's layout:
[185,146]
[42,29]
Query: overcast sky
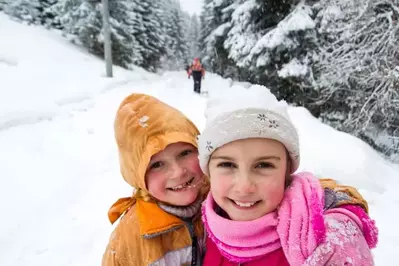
[191,6]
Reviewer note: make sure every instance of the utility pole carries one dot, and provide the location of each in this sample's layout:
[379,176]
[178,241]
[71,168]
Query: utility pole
[107,39]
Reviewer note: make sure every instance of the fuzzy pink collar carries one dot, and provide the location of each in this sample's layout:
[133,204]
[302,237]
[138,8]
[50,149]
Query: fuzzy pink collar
[297,226]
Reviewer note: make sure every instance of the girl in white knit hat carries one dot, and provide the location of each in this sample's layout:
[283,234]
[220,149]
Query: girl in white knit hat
[259,211]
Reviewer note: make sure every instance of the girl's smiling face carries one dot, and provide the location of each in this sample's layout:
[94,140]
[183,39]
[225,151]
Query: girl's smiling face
[248,177]
[172,174]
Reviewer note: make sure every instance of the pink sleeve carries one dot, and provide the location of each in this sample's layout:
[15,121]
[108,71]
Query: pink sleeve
[345,243]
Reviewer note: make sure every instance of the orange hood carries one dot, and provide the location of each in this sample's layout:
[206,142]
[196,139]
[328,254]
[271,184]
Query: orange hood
[144,126]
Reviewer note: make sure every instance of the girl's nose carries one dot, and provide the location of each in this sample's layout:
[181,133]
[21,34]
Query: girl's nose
[177,171]
[244,185]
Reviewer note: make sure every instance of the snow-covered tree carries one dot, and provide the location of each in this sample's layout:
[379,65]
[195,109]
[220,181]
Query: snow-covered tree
[242,34]
[207,26]
[30,11]
[3,4]
[89,26]
[69,14]
[273,41]
[81,20]
[194,36]
[357,71]
[216,22]
[181,45]
[176,36]
[47,16]
[124,20]
[149,35]
[136,32]
[24,10]
[166,61]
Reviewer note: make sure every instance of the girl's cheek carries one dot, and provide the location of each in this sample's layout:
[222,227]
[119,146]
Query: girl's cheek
[220,186]
[193,165]
[221,180]
[273,190]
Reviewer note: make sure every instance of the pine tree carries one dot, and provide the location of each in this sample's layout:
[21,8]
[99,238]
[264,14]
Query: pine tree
[194,36]
[135,30]
[206,19]
[242,34]
[357,70]
[179,35]
[176,54]
[215,19]
[149,35]
[207,26]
[155,34]
[24,10]
[3,4]
[88,26]
[81,21]
[125,48]
[186,36]
[67,14]
[274,41]
[47,16]
[167,58]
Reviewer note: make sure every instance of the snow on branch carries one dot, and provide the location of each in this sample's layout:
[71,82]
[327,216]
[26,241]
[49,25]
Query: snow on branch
[293,69]
[298,20]
[360,59]
[242,35]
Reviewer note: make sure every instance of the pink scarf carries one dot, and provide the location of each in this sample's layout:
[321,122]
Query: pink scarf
[297,226]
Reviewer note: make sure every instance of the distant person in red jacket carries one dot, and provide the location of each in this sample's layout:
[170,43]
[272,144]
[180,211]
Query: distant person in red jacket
[198,72]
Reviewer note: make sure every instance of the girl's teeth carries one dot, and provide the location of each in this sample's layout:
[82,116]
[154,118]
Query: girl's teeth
[183,185]
[178,187]
[244,204]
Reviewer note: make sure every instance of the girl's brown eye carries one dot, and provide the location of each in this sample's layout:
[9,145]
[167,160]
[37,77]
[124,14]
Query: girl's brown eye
[185,153]
[156,165]
[264,165]
[226,165]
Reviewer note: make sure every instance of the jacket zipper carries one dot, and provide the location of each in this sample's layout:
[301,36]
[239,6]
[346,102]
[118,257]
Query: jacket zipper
[194,243]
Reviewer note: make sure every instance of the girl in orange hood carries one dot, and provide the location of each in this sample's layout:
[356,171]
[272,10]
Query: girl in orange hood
[160,224]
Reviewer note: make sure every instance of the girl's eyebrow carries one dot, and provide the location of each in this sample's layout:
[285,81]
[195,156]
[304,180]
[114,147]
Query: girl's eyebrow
[270,157]
[222,158]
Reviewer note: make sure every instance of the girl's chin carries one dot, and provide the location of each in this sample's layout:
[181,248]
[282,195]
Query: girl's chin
[184,198]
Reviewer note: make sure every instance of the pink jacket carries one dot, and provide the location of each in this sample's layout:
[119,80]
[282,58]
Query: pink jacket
[300,232]
[213,257]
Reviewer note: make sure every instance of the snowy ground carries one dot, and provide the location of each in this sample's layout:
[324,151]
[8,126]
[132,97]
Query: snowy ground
[59,166]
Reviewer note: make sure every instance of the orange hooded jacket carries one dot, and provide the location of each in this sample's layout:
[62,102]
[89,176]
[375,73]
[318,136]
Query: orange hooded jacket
[147,235]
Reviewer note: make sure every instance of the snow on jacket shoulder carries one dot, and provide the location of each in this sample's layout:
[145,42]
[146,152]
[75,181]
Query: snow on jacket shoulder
[346,242]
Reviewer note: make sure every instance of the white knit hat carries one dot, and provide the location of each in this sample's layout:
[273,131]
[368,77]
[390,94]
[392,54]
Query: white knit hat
[247,113]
